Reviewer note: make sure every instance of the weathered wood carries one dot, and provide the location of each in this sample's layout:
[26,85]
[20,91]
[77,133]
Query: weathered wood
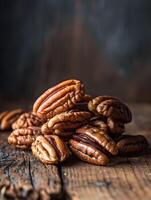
[124,178]
[20,169]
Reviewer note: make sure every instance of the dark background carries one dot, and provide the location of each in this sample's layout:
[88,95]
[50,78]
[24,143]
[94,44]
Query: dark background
[105,43]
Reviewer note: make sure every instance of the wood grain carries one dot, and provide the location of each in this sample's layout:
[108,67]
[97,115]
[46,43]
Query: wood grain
[20,169]
[123,178]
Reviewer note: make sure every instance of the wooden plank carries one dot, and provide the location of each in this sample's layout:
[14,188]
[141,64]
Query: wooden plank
[25,173]
[124,178]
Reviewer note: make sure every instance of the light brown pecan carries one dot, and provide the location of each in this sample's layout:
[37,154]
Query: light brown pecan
[93,145]
[88,153]
[24,137]
[66,122]
[132,145]
[50,149]
[63,133]
[8,118]
[110,107]
[59,98]
[26,120]
[2,114]
[97,136]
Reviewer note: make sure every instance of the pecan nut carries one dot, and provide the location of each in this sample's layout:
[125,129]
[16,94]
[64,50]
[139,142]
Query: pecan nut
[24,137]
[88,153]
[50,149]
[93,145]
[132,145]
[59,98]
[110,107]
[66,122]
[8,118]
[26,120]
[95,136]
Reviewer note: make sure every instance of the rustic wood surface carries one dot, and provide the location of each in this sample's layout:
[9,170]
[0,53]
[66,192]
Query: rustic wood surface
[123,178]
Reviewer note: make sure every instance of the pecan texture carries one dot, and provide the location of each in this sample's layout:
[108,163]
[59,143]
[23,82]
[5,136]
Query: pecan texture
[26,120]
[59,98]
[110,107]
[24,137]
[50,149]
[66,122]
[93,145]
[131,145]
[8,118]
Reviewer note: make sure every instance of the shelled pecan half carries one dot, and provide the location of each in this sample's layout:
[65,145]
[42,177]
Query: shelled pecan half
[26,120]
[66,122]
[110,107]
[24,137]
[8,118]
[92,145]
[50,149]
[59,98]
[132,145]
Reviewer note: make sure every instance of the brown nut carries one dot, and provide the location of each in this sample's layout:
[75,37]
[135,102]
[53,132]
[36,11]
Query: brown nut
[50,149]
[24,137]
[65,122]
[116,127]
[132,145]
[92,145]
[8,118]
[47,131]
[110,107]
[88,153]
[97,138]
[59,98]
[2,114]
[26,120]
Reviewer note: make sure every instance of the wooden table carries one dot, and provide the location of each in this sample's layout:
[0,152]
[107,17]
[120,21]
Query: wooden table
[123,178]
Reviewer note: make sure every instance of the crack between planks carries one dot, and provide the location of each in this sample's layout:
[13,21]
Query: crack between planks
[30,174]
[63,193]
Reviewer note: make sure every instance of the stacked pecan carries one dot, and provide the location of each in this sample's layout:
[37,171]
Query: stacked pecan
[7,118]
[64,119]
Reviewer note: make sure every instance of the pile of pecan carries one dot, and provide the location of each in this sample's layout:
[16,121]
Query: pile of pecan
[65,120]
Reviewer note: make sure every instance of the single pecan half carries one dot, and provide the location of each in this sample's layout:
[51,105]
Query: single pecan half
[63,133]
[2,114]
[24,137]
[8,118]
[50,149]
[132,145]
[66,122]
[110,107]
[88,153]
[92,145]
[98,138]
[59,98]
[26,120]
